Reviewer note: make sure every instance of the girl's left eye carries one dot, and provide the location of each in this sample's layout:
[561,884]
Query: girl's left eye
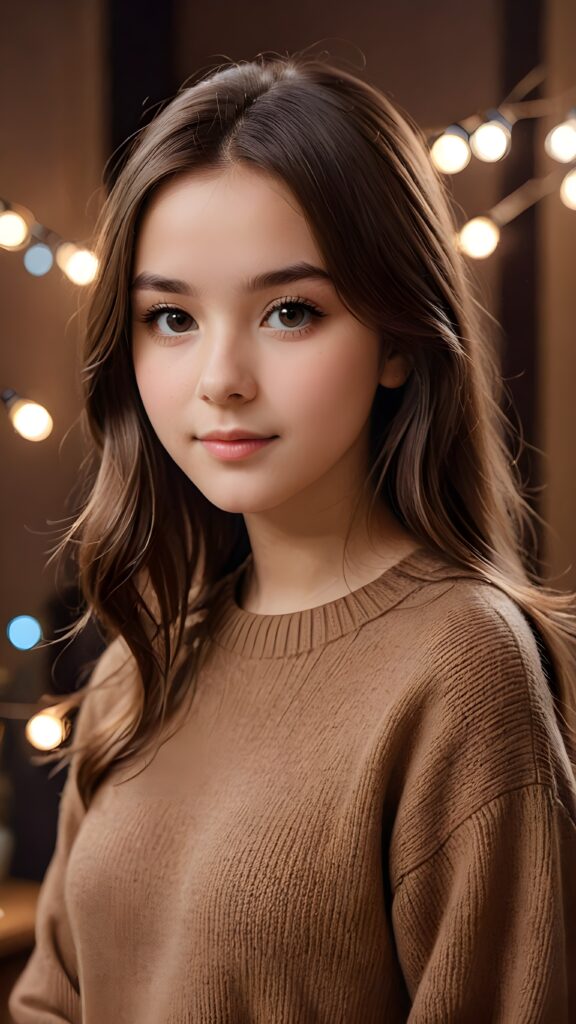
[285,307]
[176,317]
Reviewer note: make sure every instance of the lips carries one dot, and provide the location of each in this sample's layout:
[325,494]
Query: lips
[240,448]
[236,435]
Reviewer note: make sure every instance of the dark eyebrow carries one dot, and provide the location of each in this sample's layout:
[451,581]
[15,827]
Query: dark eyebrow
[269,279]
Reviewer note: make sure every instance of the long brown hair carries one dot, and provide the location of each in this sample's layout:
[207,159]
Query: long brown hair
[151,550]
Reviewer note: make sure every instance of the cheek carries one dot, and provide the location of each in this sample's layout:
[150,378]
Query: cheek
[157,386]
[336,390]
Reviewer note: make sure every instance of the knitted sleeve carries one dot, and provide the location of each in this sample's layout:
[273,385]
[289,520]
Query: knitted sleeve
[48,989]
[483,861]
[486,927]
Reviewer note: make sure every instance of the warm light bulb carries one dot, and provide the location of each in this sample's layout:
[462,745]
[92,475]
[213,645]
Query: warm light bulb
[30,419]
[479,237]
[13,229]
[82,267]
[490,142]
[46,731]
[79,265]
[450,152]
[63,254]
[568,190]
[560,143]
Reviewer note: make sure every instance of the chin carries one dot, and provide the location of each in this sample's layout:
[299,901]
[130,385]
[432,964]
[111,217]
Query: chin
[231,503]
[240,505]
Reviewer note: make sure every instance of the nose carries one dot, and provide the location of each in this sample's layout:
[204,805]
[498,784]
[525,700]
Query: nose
[226,372]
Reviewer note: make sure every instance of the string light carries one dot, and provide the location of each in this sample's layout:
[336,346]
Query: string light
[491,140]
[79,265]
[560,143]
[450,152]
[29,419]
[13,229]
[18,230]
[568,190]
[479,237]
[487,136]
[46,731]
[475,241]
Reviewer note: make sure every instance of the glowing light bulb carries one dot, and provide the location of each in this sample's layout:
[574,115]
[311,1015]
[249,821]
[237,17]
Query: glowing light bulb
[568,190]
[46,731]
[560,143]
[82,267]
[490,142]
[30,419]
[450,152]
[63,253]
[13,229]
[79,265]
[479,237]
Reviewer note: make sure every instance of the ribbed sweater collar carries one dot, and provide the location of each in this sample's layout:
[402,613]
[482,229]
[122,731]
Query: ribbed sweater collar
[274,636]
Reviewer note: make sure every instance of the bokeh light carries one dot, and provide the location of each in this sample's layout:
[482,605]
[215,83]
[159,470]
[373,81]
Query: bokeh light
[568,190]
[560,143]
[479,237]
[24,632]
[38,259]
[30,419]
[46,730]
[13,229]
[450,152]
[79,265]
[491,141]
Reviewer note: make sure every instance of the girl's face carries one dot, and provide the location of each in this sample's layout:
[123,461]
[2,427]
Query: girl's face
[222,351]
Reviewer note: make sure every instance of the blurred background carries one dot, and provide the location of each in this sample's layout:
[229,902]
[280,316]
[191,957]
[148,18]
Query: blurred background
[77,79]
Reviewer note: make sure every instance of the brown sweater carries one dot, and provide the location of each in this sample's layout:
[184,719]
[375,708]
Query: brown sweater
[368,816]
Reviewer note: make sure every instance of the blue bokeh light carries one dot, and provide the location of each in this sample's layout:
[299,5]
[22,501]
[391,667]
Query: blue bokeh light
[38,259]
[24,632]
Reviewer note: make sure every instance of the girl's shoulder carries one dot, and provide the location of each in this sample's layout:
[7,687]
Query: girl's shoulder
[465,614]
[475,716]
[483,687]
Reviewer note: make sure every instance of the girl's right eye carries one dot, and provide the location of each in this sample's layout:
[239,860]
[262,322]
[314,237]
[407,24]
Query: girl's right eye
[175,317]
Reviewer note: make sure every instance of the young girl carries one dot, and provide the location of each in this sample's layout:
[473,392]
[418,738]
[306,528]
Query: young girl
[364,809]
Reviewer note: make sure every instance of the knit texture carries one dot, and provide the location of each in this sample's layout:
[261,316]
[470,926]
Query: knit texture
[368,815]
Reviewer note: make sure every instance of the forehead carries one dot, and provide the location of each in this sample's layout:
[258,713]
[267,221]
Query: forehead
[227,213]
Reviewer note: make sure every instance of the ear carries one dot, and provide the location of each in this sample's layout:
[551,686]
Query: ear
[395,370]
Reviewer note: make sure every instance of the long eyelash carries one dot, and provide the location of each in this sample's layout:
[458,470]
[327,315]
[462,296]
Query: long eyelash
[163,307]
[159,307]
[295,301]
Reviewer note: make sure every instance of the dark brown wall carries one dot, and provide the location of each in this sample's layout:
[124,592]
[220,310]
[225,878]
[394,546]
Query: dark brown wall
[52,98]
